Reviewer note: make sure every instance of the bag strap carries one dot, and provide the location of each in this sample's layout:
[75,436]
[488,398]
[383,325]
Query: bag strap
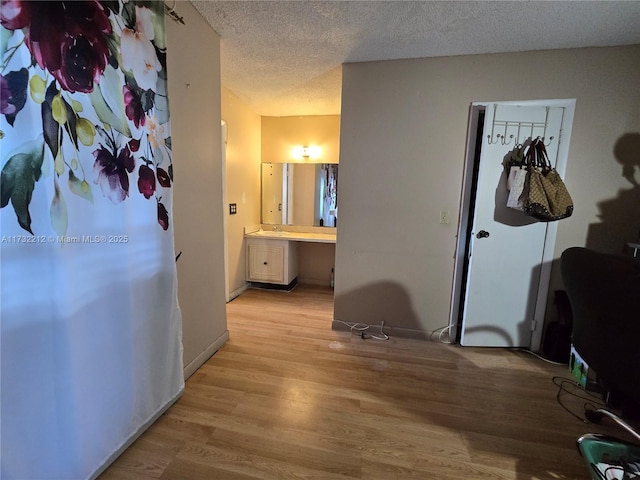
[541,152]
[530,156]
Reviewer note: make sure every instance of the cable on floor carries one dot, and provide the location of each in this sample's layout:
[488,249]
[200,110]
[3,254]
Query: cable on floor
[360,328]
[531,352]
[592,401]
[440,331]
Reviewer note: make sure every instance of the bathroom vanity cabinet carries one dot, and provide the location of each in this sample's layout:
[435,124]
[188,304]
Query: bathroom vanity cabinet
[272,261]
[273,256]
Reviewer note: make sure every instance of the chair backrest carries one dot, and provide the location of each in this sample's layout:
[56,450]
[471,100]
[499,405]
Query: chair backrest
[604,291]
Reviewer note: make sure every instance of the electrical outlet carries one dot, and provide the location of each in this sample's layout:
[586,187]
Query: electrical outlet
[233,208]
[444,216]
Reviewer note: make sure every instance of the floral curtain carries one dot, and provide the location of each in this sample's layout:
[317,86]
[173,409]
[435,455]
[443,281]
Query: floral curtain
[90,327]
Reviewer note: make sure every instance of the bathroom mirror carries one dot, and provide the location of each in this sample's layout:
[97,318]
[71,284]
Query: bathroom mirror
[303,194]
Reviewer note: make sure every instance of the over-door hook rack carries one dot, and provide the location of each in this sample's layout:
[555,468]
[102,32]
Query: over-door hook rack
[503,139]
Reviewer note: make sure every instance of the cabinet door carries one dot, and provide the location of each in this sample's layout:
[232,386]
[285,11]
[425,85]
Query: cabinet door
[266,263]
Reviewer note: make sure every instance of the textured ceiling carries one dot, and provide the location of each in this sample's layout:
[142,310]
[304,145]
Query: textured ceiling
[284,58]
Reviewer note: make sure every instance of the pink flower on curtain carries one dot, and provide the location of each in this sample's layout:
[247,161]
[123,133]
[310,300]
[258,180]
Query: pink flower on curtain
[66,38]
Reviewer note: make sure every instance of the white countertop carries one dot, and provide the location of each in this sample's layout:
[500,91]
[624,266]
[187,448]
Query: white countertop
[293,236]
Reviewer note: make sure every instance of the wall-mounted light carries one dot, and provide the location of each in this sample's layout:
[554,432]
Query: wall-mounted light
[306,152]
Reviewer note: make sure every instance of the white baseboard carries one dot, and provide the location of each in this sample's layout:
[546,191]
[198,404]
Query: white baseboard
[237,292]
[197,362]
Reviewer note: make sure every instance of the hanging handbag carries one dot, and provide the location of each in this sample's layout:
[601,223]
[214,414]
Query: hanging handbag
[545,195]
[516,178]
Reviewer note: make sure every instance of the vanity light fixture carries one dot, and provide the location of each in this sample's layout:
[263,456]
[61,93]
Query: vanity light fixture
[306,152]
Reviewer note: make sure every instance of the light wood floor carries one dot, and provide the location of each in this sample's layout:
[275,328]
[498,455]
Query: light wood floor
[288,398]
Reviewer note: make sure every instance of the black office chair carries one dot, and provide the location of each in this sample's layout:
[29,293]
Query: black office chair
[604,292]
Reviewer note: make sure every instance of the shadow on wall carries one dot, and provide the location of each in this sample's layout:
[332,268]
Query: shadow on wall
[620,216]
[375,303]
[389,302]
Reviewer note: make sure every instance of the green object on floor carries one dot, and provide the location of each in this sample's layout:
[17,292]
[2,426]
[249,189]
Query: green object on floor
[601,453]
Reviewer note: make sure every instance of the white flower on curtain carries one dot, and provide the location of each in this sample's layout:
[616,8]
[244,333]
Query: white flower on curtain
[138,53]
[98,75]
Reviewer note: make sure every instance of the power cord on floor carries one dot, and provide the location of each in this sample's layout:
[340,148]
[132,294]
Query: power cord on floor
[360,329]
[592,400]
[440,331]
[530,352]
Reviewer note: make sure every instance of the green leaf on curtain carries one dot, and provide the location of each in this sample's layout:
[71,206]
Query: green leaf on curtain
[58,163]
[105,114]
[161,101]
[37,88]
[113,44]
[56,112]
[162,58]
[50,127]
[108,101]
[18,178]
[158,25]
[5,35]
[146,99]
[86,131]
[112,5]
[77,106]
[129,15]
[80,187]
[58,211]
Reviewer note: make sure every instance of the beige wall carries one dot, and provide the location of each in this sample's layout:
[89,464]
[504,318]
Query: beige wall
[403,131]
[194,95]
[281,134]
[242,181]
[315,261]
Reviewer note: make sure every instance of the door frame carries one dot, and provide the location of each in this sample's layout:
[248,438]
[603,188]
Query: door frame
[225,212]
[465,215]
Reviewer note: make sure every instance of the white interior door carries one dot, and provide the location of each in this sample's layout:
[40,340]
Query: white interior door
[507,248]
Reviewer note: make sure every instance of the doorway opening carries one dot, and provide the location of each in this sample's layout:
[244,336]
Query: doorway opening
[469,221]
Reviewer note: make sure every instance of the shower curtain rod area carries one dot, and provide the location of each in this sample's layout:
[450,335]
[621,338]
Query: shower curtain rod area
[170,11]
